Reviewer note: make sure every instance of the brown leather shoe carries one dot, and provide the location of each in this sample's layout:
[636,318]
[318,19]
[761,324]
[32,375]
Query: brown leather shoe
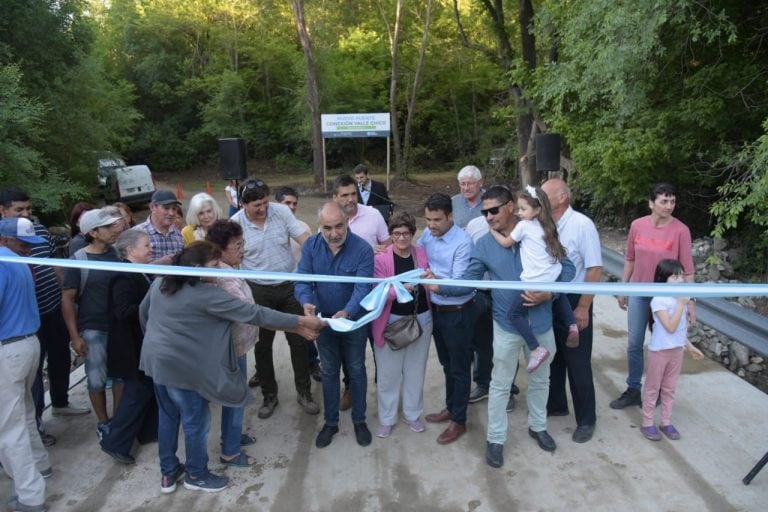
[438,417]
[452,433]
[346,400]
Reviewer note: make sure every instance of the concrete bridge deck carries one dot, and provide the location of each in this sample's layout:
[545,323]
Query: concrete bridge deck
[722,420]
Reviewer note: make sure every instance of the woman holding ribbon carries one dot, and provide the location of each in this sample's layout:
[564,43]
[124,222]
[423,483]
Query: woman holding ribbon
[407,365]
[189,354]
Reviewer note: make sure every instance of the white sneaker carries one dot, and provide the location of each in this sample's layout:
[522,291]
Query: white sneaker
[69,410]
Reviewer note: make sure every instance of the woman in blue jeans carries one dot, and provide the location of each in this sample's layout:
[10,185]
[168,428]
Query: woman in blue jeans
[189,354]
[228,237]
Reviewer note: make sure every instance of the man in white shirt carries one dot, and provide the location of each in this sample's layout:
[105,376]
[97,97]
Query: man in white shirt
[268,229]
[579,235]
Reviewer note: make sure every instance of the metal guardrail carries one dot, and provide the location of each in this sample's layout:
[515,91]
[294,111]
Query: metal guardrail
[729,318]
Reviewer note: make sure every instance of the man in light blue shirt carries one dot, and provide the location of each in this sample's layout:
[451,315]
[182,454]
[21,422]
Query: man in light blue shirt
[448,248]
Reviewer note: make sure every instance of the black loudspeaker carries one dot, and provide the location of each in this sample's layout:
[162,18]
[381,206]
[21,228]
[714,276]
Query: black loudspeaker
[232,157]
[548,152]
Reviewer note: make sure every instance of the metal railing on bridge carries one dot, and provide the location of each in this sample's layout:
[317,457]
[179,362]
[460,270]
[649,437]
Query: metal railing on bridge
[729,318]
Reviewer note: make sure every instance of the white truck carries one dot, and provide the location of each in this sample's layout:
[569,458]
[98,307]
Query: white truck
[125,183]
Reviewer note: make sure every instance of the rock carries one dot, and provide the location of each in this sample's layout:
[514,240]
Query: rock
[747,302]
[740,353]
[754,368]
[719,244]
[756,359]
[740,372]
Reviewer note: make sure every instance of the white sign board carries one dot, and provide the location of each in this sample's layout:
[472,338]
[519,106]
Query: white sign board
[355,125]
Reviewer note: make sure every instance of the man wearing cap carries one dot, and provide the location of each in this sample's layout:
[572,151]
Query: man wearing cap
[54,341]
[21,450]
[164,236]
[268,229]
[85,307]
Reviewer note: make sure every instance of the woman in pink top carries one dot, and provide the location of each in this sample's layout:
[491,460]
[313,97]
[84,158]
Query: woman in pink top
[408,365]
[652,238]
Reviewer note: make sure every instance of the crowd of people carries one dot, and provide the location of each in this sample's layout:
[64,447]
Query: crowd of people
[168,346]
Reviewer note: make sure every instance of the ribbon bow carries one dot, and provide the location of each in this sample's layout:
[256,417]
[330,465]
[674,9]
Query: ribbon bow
[375,300]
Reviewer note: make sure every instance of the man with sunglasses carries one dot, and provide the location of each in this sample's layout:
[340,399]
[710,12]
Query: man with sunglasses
[268,229]
[504,264]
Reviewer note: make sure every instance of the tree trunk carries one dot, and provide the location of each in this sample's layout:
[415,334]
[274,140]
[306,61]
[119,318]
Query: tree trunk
[394,44]
[313,96]
[525,133]
[415,90]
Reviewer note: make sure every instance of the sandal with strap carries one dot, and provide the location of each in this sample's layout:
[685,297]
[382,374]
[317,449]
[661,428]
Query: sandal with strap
[242,460]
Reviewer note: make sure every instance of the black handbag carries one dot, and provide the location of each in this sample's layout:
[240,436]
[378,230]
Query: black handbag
[404,331]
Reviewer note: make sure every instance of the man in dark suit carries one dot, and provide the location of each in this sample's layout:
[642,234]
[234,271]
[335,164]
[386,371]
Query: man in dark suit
[372,193]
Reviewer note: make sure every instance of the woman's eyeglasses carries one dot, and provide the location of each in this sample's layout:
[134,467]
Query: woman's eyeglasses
[493,211]
[401,234]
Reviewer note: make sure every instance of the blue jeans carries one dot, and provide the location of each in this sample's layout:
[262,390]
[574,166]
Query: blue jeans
[95,359]
[332,345]
[188,408]
[453,333]
[232,420]
[638,316]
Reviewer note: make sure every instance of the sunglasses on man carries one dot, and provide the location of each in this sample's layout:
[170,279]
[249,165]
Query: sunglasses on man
[493,211]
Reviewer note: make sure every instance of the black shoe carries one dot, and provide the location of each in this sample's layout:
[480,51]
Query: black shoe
[362,434]
[511,403]
[254,382]
[558,413]
[494,455]
[119,457]
[545,441]
[325,436]
[316,373]
[630,397]
[268,407]
[477,394]
[583,433]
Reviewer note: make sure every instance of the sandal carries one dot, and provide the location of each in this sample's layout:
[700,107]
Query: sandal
[242,460]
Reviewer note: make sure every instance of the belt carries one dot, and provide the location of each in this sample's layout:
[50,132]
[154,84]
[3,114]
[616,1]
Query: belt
[14,339]
[437,308]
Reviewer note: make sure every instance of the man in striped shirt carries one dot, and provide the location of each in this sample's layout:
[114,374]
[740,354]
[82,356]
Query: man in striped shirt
[54,342]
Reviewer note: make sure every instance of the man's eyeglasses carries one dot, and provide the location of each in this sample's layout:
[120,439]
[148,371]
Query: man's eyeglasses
[493,211]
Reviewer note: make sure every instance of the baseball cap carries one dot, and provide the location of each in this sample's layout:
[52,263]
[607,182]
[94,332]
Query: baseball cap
[165,197]
[93,219]
[20,228]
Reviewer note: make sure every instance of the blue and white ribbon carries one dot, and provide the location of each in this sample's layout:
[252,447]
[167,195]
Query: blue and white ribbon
[374,301]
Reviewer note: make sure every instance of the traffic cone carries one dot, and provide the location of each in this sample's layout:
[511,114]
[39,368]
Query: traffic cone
[179,191]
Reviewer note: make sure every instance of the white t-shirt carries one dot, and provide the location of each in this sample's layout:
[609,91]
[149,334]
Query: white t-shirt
[661,339]
[538,264]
